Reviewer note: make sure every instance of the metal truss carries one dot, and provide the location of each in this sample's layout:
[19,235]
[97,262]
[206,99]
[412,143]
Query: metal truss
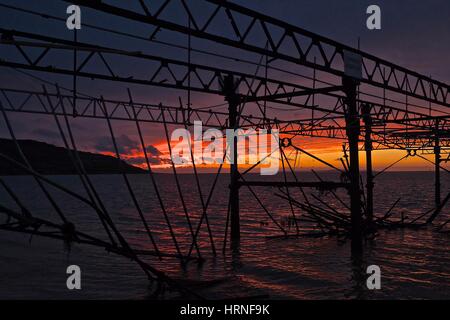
[174,74]
[341,109]
[36,102]
[286,42]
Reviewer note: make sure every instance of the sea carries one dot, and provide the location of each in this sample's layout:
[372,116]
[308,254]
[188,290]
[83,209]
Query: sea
[414,263]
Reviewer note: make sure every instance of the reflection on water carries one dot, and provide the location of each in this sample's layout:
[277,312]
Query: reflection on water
[414,263]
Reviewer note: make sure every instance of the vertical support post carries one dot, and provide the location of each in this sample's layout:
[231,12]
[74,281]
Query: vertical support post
[75,63]
[229,88]
[437,177]
[366,108]
[353,130]
[437,169]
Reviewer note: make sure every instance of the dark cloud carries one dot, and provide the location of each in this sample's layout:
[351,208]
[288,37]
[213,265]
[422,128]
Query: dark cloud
[41,132]
[124,144]
[151,150]
[140,161]
[136,160]
[127,147]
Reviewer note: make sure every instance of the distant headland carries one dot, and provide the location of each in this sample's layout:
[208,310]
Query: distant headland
[49,159]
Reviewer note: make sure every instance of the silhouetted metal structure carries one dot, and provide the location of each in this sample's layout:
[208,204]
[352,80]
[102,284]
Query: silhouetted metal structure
[330,104]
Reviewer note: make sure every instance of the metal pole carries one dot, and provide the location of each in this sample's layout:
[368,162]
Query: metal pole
[75,63]
[232,98]
[437,177]
[353,130]
[437,163]
[366,108]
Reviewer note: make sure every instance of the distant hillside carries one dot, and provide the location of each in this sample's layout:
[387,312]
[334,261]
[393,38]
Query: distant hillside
[49,159]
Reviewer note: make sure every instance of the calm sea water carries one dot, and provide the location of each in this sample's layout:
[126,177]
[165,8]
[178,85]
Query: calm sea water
[414,263]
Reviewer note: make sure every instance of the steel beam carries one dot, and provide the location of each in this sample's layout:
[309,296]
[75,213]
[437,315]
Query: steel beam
[369,173]
[321,185]
[229,89]
[376,71]
[353,128]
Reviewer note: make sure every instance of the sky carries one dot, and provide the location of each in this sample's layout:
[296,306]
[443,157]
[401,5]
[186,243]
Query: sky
[414,34]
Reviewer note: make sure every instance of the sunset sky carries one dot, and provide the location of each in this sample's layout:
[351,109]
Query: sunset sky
[414,34]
